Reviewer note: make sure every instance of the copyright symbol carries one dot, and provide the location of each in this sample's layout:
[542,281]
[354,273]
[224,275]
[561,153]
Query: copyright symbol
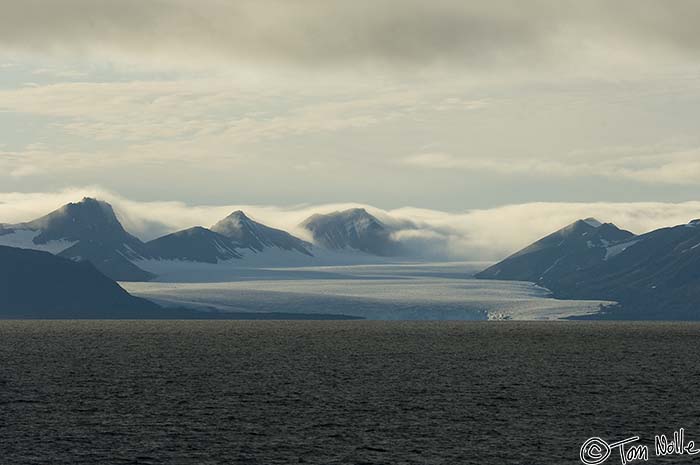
[594,451]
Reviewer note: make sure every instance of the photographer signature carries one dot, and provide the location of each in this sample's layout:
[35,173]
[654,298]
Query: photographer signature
[596,451]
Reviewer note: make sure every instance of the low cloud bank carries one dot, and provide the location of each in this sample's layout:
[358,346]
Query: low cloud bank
[484,234]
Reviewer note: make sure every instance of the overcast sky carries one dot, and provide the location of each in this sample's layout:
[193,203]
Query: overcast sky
[446,105]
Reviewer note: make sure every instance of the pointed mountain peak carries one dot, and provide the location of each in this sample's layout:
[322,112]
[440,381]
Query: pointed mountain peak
[583,243]
[239,215]
[250,234]
[234,222]
[88,214]
[586,223]
[592,226]
[89,208]
[357,213]
[593,222]
[351,215]
[92,200]
[354,228]
[580,227]
[93,232]
[362,215]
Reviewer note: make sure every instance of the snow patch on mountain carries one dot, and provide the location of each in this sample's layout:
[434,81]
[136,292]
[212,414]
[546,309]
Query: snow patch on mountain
[24,239]
[617,249]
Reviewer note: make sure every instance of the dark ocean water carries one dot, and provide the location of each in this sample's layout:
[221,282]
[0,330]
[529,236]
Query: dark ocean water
[340,392]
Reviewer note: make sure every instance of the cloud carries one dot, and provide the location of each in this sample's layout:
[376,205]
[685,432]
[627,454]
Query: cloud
[491,234]
[439,160]
[60,73]
[481,234]
[680,167]
[308,104]
[24,171]
[673,168]
[204,111]
[322,32]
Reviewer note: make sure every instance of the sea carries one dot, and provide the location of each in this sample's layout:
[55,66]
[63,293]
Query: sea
[343,392]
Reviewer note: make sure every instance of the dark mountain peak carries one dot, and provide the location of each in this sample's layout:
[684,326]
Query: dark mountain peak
[237,226]
[87,215]
[88,220]
[581,225]
[96,235]
[358,211]
[584,243]
[354,228]
[653,275]
[235,220]
[592,222]
[197,244]
[249,234]
[91,208]
[352,216]
[238,214]
[91,201]
[360,215]
[587,228]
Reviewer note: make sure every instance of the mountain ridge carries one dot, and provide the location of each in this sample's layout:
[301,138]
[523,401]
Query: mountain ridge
[90,230]
[37,284]
[353,228]
[652,276]
[193,244]
[257,237]
[580,243]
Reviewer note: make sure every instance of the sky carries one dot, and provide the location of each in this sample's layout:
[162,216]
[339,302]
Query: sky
[401,105]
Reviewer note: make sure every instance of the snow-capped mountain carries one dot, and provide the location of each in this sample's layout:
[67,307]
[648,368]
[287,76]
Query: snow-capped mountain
[658,275]
[223,252]
[89,230]
[352,229]
[257,237]
[653,276]
[580,244]
[86,230]
[196,244]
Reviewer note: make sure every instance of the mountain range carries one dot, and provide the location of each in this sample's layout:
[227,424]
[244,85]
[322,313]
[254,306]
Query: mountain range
[652,276]
[39,285]
[90,230]
[87,230]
